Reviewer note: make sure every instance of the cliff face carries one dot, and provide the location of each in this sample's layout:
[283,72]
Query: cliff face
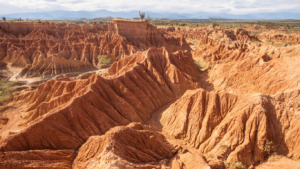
[140,34]
[144,35]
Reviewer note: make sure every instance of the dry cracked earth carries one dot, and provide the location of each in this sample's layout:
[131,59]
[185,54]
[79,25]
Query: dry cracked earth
[133,95]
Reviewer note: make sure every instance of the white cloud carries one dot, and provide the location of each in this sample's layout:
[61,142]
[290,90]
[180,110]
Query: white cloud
[176,6]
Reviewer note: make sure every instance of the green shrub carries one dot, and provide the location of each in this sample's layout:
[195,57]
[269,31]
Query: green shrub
[215,24]
[200,64]
[6,89]
[238,164]
[269,147]
[103,59]
[222,144]
[256,42]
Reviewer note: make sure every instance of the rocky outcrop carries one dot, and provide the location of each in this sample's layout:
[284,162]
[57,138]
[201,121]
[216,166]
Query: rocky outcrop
[61,110]
[52,66]
[257,76]
[135,146]
[241,68]
[76,48]
[236,128]
[37,159]
[281,35]
[193,32]
[15,29]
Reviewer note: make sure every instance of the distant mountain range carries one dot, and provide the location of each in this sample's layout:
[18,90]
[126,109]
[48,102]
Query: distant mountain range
[62,15]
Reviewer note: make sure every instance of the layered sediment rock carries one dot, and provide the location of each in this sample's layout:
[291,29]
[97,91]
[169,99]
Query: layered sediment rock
[61,110]
[29,46]
[281,35]
[193,32]
[135,146]
[51,66]
[37,159]
[241,68]
[236,127]
[252,110]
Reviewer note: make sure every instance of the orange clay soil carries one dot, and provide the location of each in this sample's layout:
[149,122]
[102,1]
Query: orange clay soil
[154,108]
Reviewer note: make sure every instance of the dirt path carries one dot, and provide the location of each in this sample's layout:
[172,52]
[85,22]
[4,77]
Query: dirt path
[16,72]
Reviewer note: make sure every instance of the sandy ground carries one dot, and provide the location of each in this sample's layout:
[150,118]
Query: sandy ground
[13,113]
[16,72]
[279,162]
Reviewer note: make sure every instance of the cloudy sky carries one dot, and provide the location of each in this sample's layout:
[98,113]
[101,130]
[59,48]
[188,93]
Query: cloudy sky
[176,6]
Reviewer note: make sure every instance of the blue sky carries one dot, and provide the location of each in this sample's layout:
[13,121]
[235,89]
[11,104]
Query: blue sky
[177,6]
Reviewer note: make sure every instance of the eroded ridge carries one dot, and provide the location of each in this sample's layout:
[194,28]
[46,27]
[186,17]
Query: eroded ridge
[63,114]
[48,49]
[236,127]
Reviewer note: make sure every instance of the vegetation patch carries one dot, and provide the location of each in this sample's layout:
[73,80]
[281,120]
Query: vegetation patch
[200,64]
[269,147]
[236,165]
[103,59]
[6,89]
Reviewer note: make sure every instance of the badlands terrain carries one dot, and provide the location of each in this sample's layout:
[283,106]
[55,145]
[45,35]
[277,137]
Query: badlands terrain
[133,95]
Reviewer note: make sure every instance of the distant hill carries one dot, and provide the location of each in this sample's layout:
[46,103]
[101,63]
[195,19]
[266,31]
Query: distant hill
[62,15]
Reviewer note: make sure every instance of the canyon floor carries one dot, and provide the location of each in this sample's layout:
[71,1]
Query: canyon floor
[133,95]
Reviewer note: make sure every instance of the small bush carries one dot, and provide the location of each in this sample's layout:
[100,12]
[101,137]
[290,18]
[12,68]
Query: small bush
[269,147]
[222,144]
[148,20]
[103,59]
[6,89]
[240,165]
[235,165]
[215,24]
[200,64]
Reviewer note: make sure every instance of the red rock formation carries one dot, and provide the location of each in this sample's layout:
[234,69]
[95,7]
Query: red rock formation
[61,110]
[15,29]
[193,32]
[52,66]
[235,127]
[37,159]
[27,45]
[257,76]
[255,99]
[228,36]
[246,68]
[280,35]
[146,35]
[134,146]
